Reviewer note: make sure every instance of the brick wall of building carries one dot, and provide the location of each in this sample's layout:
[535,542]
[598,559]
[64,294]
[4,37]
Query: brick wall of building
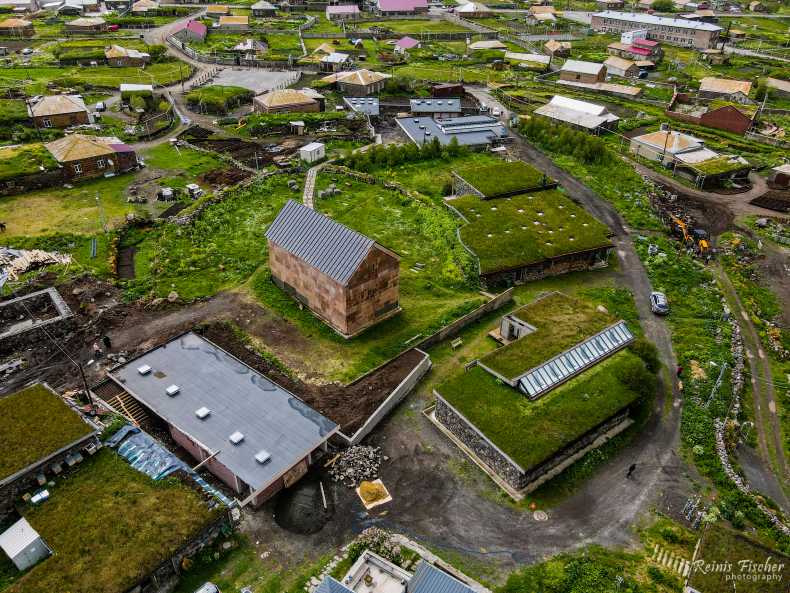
[62,120]
[213,465]
[582,77]
[371,294]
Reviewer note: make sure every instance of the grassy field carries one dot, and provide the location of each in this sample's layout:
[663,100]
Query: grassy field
[531,432]
[103,546]
[218,98]
[34,80]
[413,26]
[35,409]
[510,232]
[560,322]
[20,161]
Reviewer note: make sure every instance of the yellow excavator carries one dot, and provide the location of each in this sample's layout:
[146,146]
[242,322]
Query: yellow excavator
[697,238]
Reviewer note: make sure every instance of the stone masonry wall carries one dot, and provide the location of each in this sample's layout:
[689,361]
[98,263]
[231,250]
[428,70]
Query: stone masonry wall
[481,446]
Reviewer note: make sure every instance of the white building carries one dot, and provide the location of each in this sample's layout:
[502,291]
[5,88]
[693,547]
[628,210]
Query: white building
[579,114]
[310,153]
[23,545]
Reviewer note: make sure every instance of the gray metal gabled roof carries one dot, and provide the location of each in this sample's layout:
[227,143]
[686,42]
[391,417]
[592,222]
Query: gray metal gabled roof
[429,579]
[328,246]
[330,585]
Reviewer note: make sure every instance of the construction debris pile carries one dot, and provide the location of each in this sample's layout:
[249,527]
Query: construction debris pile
[356,464]
[14,262]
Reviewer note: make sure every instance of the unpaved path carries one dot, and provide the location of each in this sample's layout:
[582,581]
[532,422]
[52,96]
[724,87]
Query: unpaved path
[767,424]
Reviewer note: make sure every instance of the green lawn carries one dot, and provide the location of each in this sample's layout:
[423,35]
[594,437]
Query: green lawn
[25,160]
[12,112]
[530,432]
[35,409]
[501,177]
[507,233]
[34,80]
[560,322]
[94,525]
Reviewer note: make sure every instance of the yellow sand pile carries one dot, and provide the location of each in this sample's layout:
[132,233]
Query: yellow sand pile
[370,492]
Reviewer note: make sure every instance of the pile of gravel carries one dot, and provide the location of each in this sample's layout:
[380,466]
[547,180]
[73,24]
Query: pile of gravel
[356,464]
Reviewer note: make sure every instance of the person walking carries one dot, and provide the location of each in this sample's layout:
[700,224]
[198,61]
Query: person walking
[631,471]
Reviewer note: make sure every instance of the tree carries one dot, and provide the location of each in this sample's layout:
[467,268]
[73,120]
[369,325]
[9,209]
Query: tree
[663,6]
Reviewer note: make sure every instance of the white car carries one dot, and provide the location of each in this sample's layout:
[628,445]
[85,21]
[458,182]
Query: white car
[496,112]
[659,303]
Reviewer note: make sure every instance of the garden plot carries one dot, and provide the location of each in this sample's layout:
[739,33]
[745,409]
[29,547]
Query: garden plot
[103,546]
[508,233]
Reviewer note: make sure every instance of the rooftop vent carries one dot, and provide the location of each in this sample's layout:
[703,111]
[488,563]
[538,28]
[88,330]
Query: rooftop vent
[144,370]
[202,412]
[262,456]
[236,438]
[172,390]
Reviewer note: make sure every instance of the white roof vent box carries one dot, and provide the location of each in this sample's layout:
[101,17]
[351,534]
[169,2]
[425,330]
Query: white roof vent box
[263,456]
[172,390]
[202,413]
[144,369]
[236,438]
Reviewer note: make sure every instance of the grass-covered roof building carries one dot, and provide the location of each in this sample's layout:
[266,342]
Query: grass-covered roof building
[523,438]
[521,229]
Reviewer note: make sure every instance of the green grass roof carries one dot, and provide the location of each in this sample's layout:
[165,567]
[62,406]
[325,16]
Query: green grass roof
[722,545]
[18,161]
[502,177]
[35,411]
[109,525]
[561,322]
[507,233]
[719,165]
[530,432]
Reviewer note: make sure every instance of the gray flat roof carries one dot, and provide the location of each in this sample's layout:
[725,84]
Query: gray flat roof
[239,398]
[367,105]
[472,130]
[435,105]
[650,19]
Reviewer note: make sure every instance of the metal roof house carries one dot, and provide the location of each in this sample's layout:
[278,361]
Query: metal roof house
[248,431]
[346,279]
[23,545]
[579,114]
[477,131]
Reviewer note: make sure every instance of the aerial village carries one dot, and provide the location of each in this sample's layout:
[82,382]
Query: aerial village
[395,296]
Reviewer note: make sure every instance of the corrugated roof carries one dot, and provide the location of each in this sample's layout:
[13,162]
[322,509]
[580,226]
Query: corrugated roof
[330,247]
[359,77]
[239,399]
[554,45]
[283,98]
[724,85]
[342,9]
[579,113]
[116,51]
[472,7]
[487,44]
[407,42]
[335,57]
[650,19]
[520,57]
[401,5]
[14,24]
[429,579]
[618,63]
[16,538]
[778,83]
[86,22]
[677,141]
[262,5]
[78,146]
[57,105]
[234,20]
[581,66]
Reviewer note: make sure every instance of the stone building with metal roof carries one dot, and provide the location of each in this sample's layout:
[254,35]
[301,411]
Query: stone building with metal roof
[245,429]
[346,279]
[83,157]
[285,101]
[59,111]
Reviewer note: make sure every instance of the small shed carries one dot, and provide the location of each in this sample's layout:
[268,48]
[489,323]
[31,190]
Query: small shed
[780,176]
[310,153]
[23,545]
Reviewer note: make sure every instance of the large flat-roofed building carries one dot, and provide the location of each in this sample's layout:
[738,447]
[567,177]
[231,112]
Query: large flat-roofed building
[683,32]
[346,279]
[475,131]
[248,431]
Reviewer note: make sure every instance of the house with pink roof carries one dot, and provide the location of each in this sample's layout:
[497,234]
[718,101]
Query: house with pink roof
[191,31]
[406,43]
[342,12]
[398,7]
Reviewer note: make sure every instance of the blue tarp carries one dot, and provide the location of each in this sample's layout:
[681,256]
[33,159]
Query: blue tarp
[148,456]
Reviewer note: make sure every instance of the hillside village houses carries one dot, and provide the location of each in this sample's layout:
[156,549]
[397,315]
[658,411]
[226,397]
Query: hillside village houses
[286,101]
[263,9]
[579,114]
[581,71]
[342,12]
[191,31]
[400,7]
[234,23]
[83,157]
[737,91]
[214,11]
[120,57]
[358,83]
[86,25]
[558,49]
[673,31]
[59,111]
[616,66]
[634,45]
[15,27]
[473,10]
[348,280]
[143,7]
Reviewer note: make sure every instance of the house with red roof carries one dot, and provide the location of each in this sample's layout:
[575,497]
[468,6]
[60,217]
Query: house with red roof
[406,43]
[191,31]
[401,7]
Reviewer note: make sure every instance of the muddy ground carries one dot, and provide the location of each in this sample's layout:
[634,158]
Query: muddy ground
[713,217]
[224,177]
[778,200]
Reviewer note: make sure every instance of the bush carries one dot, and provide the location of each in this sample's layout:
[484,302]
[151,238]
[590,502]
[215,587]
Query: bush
[398,154]
[648,352]
[583,147]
